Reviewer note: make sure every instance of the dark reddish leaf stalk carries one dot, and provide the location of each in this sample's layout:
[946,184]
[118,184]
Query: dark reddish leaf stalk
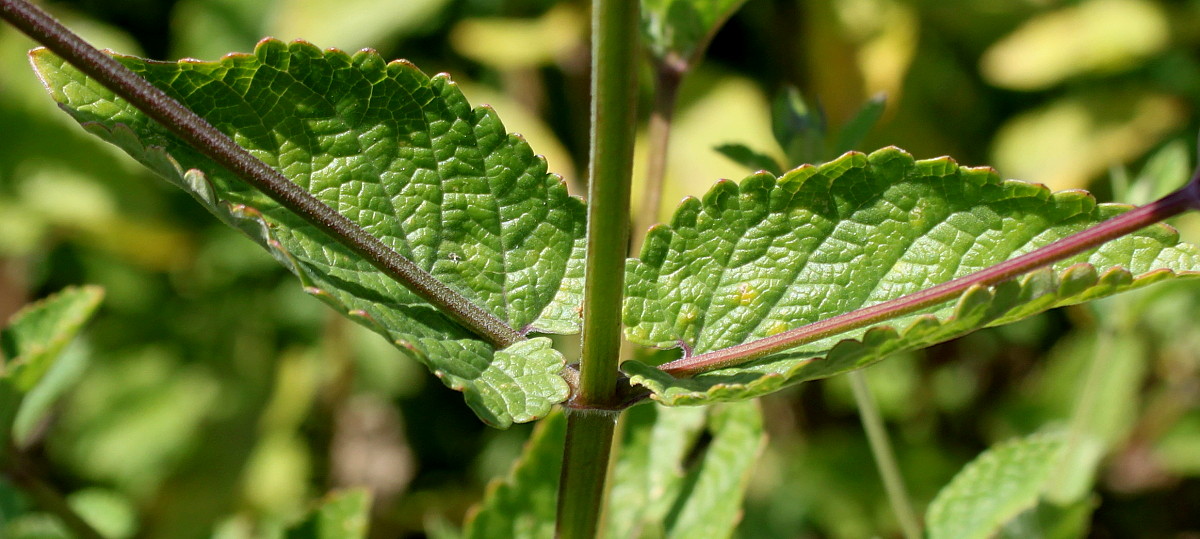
[214,144]
[1171,205]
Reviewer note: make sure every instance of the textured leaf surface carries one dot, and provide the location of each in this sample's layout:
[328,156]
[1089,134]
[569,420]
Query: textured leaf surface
[401,154]
[341,515]
[682,28]
[769,255]
[524,503]
[1004,481]
[682,472]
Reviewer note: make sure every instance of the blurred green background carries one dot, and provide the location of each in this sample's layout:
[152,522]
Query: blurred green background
[214,398]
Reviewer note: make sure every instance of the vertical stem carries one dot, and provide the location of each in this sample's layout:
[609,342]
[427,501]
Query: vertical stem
[614,87]
[666,90]
[615,49]
[885,457]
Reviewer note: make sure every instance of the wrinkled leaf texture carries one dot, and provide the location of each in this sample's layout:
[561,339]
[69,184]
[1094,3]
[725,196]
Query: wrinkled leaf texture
[772,254]
[404,156]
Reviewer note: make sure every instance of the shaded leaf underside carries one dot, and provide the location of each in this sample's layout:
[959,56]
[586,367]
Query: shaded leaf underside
[770,255]
[405,157]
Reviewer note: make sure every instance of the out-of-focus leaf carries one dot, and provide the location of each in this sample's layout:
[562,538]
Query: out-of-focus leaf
[856,129]
[62,377]
[341,515]
[111,513]
[770,255]
[407,158]
[521,43]
[997,486]
[1164,172]
[1050,521]
[1072,139]
[798,128]
[524,503]
[1095,36]
[679,30]
[743,155]
[35,335]
[710,500]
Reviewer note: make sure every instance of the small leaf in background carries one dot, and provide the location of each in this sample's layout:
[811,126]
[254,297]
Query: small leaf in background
[998,485]
[30,345]
[341,515]
[35,336]
[680,30]
[403,155]
[799,128]
[524,503]
[1095,36]
[752,260]
[743,155]
[855,130]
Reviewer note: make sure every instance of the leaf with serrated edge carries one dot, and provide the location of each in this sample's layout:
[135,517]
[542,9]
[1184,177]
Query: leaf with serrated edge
[770,255]
[404,156]
[681,29]
[997,486]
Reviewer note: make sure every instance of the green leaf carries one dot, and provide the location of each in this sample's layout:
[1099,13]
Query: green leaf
[682,472]
[524,504]
[341,515]
[743,155]
[404,156]
[679,30]
[798,128]
[856,129]
[997,486]
[770,255]
[36,334]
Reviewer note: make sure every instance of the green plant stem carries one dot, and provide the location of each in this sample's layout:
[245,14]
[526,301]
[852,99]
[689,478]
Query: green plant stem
[21,473]
[590,431]
[585,470]
[1169,206]
[885,456]
[614,93]
[215,145]
[666,90]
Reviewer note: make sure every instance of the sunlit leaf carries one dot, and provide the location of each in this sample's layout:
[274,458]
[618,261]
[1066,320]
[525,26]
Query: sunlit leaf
[341,515]
[403,155]
[679,30]
[768,255]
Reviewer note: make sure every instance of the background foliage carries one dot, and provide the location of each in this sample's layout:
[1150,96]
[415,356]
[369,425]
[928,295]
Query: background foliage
[215,397]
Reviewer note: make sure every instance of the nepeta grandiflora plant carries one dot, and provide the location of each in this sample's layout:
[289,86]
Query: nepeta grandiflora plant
[401,206]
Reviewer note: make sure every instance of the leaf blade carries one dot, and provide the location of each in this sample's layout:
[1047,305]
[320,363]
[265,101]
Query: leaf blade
[401,154]
[769,255]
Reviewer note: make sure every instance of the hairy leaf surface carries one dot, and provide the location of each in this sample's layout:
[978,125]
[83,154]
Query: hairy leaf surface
[768,255]
[404,156]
